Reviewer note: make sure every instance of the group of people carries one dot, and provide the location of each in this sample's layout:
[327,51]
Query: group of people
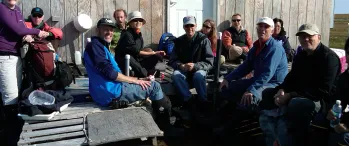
[286,101]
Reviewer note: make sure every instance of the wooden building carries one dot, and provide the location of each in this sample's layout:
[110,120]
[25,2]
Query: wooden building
[166,15]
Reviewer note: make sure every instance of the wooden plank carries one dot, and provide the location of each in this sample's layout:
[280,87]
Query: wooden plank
[57,10]
[221,24]
[258,12]
[51,138]
[229,11]
[74,115]
[108,8]
[285,14]
[52,131]
[302,18]
[240,8]
[53,124]
[72,35]
[249,10]
[132,5]
[293,23]
[268,8]
[96,14]
[28,6]
[45,6]
[146,10]
[318,13]
[121,4]
[311,11]
[84,7]
[276,9]
[325,28]
[157,20]
[69,142]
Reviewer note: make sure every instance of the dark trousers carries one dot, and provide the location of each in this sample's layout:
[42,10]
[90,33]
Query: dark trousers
[141,67]
[10,125]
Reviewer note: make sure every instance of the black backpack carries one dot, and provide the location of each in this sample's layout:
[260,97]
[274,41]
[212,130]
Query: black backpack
[64,75]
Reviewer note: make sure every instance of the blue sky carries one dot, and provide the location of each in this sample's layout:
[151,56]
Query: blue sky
[341,7]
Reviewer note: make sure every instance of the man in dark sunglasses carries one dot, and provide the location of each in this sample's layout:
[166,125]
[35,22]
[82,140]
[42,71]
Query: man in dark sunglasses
[36,20]
[236,40]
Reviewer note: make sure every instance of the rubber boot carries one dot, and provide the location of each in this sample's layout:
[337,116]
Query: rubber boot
[164,118]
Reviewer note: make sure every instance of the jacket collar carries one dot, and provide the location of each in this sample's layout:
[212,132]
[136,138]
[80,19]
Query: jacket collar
[102,41]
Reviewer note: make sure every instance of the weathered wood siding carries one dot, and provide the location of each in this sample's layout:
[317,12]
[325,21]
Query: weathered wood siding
[152,10]
[293,12]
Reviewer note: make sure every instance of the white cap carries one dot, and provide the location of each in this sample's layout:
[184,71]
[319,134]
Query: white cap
[338,102]
[266,20]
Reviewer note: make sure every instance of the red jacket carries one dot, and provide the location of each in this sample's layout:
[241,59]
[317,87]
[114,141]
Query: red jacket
[57,33]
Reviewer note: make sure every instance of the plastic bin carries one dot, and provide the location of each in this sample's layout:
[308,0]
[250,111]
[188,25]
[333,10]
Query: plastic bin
[41,98]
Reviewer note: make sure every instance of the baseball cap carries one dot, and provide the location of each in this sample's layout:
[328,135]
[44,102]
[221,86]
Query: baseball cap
[37,10]
[267,21]
[189,20]
[310,29]
[105,21]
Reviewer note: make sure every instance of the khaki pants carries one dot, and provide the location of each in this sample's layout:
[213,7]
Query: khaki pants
[234,52]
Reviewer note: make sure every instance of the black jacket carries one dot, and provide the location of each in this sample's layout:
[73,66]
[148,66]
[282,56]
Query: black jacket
[314,77]
[200,49]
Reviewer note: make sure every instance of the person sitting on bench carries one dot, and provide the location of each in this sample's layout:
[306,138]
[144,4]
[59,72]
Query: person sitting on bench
[109,87]
[236,40]
[142,60]
[191,59]
[341,134]
[288,109]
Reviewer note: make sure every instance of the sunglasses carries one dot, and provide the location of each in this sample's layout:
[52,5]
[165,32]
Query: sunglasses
[37,15]
[206,26]
[189,25]
[137,20]
[236,20]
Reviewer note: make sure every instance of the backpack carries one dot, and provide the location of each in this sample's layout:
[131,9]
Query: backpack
[41,69]
[166,43]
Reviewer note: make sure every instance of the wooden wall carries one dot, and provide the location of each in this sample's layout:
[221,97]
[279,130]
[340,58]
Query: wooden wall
[152,10]
[293,12]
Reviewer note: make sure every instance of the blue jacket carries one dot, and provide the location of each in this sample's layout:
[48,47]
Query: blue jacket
[102,71]
[270,66]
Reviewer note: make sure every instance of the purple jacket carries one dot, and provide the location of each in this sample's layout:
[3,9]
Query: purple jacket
[12,30]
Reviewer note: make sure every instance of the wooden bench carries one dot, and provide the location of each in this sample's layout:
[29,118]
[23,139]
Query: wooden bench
[68,128]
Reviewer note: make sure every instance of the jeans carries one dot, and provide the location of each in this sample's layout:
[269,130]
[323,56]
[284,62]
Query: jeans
[292,127]
[337,139]
[274,128]
[134,92]
[179,79]
[10,78]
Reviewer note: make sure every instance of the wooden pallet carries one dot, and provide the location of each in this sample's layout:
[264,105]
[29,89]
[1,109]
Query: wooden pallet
[65,129]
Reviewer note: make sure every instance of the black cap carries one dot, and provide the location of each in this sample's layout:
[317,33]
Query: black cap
[105,21]
[37,10]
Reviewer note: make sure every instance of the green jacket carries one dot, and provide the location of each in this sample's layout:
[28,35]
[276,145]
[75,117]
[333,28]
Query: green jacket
[116,37]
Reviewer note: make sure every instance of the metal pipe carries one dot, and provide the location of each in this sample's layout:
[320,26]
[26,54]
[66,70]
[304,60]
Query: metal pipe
[217,66]
[127,65]
[82,44]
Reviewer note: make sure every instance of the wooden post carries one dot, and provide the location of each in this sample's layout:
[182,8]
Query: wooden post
[154,141]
